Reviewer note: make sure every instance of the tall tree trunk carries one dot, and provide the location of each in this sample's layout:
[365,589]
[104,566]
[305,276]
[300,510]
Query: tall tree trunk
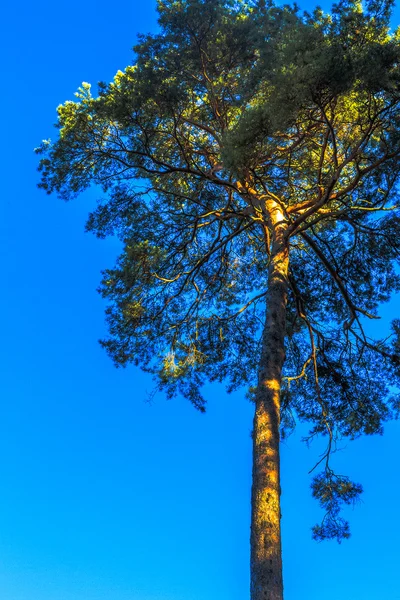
[266,557]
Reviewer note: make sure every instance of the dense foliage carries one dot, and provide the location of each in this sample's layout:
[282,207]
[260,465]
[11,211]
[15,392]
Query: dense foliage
[234,107]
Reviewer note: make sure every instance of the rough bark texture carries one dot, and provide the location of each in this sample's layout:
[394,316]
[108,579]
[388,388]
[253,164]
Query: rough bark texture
[266,557]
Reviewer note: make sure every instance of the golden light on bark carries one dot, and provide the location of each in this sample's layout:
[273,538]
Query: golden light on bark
[266,554]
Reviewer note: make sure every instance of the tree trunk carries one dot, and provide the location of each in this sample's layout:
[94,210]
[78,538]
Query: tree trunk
[266,556]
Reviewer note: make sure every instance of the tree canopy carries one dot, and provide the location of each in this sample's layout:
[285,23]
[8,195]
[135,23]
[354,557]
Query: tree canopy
[233,113]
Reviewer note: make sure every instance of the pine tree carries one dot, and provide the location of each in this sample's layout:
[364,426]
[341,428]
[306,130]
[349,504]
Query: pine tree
[249,160]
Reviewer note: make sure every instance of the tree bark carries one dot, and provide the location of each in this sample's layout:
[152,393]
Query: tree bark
[266,556]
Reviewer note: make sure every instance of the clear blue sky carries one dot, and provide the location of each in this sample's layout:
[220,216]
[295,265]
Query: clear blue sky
[104,496]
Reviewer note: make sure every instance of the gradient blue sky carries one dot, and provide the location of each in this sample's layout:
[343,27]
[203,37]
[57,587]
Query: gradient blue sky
[105,496]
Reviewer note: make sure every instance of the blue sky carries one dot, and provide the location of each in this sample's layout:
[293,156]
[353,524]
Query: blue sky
[104,495]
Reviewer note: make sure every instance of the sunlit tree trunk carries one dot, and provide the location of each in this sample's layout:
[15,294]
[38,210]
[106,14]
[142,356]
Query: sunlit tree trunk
[266,557]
